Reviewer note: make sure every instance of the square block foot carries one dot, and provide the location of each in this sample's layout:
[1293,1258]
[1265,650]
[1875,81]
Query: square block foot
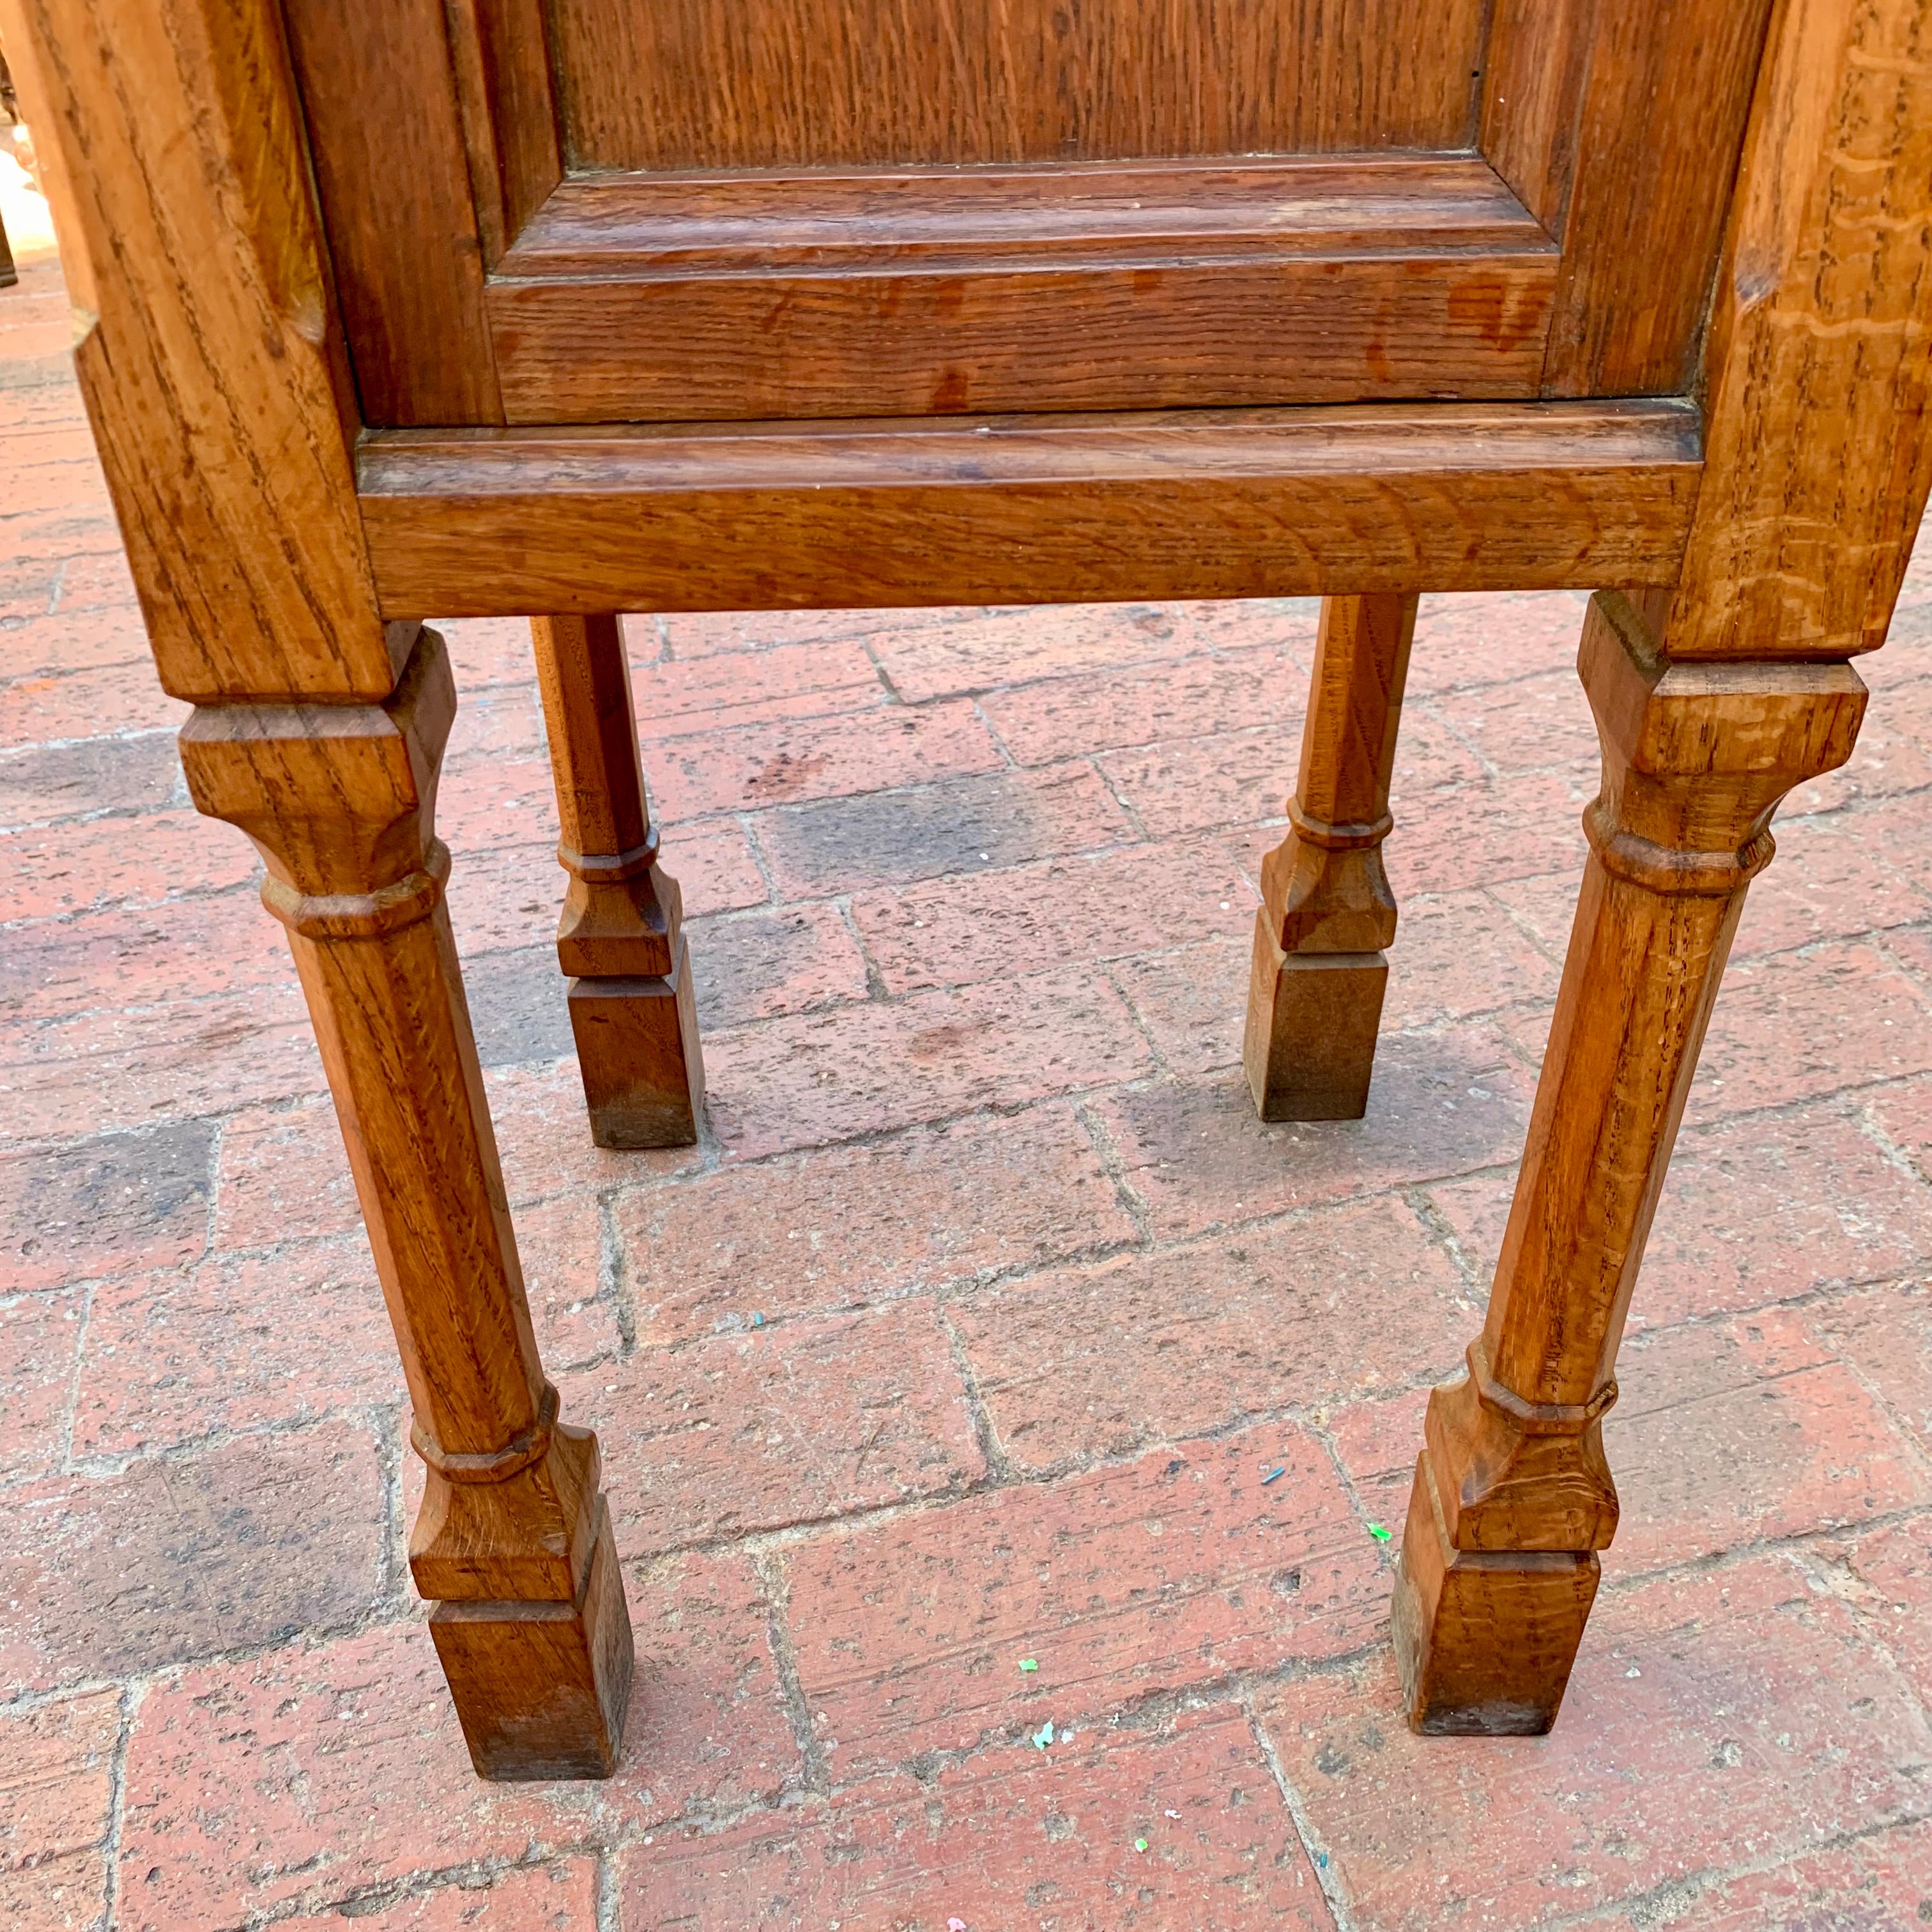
[637,1050]
[542,1689]
[1312,1019]
[1484,1639]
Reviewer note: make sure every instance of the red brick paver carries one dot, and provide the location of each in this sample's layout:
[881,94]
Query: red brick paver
[973,1332]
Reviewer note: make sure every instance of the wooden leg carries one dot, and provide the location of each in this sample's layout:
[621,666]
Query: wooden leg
[1314,995]
[1512,1497]
[631,1008]
[513,1544]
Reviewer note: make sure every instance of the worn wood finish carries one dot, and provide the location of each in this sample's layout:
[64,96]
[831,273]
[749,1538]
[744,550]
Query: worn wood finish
[1620,128]
[386,138]
[1123,287]
[168,135]
[1821,346]
[686,84]
[501,68]
[1314,992]
[339,800]
[1050,510]
[1513,1496]
[632,1010]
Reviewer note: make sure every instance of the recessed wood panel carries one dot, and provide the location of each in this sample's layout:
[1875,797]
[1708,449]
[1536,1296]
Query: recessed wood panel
[1148,285]
[785,83]
[1068,509]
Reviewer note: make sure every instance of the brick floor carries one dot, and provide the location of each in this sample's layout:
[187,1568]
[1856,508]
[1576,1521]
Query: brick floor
[970,1333]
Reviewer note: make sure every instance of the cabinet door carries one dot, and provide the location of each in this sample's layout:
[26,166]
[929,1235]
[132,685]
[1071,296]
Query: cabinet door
[581,211]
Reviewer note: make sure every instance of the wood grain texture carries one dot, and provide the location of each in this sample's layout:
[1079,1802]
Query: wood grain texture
[1696,757]
[1820,358]
[1049,510]
[1620,127]
[689,84]
[386,138]
[1095,287]
[501,60]
[1315,993]
[168,135]
[633,1009]
[339,800]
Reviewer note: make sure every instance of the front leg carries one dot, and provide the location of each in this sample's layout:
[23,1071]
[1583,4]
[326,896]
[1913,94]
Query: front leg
[513,1544]
[1512,1497]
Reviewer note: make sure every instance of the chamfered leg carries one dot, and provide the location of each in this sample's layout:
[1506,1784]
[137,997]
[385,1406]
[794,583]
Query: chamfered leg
[631,1008]
[513,1543]
[1314,992]
[1513,1498]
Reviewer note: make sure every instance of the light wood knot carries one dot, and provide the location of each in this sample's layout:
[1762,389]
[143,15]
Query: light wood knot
[1625,854]
[494,1466]
[362,915]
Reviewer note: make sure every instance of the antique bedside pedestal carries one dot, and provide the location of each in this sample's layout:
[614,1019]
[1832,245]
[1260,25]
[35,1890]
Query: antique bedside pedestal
[389,307]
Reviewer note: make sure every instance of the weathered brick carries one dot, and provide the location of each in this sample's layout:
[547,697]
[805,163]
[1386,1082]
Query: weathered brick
[558,1898]
[320,1771]
[543,1136]
[1753,1211]
[98,961]
[488,801]
[519,1006]
[1541,722]
[73,639]
[962,825]
[1180,1569]
[758,964]
[1455,837]
[785,763]
[982,650]
[1099,1359]
[59,781]
[244,1545]
[1195,1153]
[1040,723]
[274,1338]
[1802,1023]
[134,863]
[1832,876]
[811,1078]
[791,1422]
[1718,1718]
[106,1205]
[1886,1334]
[1474,638]
[696,633]
[1894,752]
[1016,1838]
[1724,1436]
[1887,1573]
[110,701]
[498,721]
[839,1227]
[39,1336]
[815,679]
[56,1803]
[991,925]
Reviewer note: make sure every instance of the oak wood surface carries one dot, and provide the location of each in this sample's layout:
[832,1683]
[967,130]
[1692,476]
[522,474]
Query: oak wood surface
[1695,760]
[687,83]
[168,136]
[1128,286]
[1821,346]
[1315,993]
[1620,128]
[1050,509]
[500,59]
[386,138]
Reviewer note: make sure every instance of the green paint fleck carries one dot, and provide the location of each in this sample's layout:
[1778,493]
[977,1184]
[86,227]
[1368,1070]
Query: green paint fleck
[1380,1534]
[1029,1664]
[1043,1736]
[1140,1844]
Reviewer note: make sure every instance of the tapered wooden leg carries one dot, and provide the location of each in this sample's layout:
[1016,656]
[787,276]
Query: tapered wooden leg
[1315,993]
[513,1543]
[632,1007]
[1512,1497]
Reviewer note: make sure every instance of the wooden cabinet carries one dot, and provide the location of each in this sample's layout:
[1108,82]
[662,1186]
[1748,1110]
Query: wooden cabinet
[559,308]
